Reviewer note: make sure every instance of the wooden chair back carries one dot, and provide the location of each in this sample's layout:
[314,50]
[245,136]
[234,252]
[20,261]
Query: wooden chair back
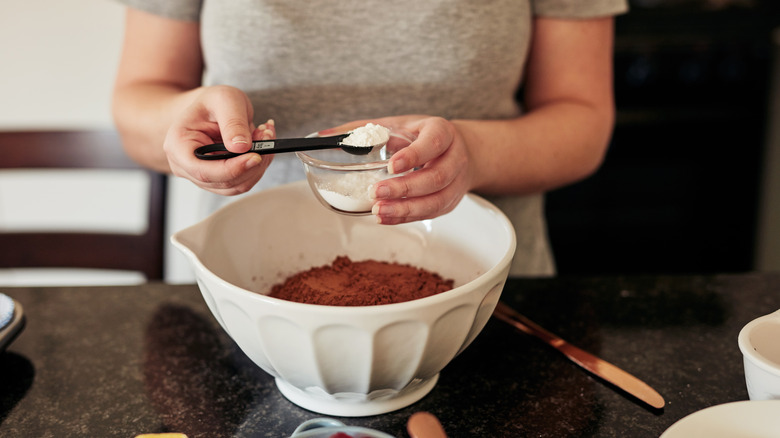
[97,250]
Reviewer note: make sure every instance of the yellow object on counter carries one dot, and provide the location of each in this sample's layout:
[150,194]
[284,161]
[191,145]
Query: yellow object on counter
[161,435]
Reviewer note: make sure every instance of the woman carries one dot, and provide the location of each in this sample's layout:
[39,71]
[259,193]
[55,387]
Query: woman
[194,72]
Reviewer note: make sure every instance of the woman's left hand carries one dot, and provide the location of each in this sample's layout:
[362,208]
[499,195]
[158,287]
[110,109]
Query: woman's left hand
[443,174]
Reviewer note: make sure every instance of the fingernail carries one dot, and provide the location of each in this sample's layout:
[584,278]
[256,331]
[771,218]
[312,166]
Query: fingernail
[262,127]
[267,134]
[398,164]
[253,161]
[381,192]
[239,140]
[384,210]
[271,122]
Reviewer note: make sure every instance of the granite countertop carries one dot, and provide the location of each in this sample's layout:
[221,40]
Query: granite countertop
[120,361]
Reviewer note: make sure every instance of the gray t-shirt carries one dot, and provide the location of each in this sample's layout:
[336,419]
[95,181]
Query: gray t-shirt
[313,64]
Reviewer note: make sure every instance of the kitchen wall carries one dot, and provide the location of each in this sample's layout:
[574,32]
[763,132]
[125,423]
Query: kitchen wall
[58,60]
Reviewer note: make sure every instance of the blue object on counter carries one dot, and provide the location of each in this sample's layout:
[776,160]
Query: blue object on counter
[327,427]
[6,310]
[12,320]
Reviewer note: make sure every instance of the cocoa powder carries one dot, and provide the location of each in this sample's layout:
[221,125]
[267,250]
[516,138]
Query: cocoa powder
[363,283]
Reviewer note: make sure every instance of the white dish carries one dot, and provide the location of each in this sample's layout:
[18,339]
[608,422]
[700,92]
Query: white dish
[340,360]
[749,419]
[761,356]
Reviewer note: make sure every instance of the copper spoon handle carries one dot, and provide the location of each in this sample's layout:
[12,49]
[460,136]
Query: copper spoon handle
[593,364]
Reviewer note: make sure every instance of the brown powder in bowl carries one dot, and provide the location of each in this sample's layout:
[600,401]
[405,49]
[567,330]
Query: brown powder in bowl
[364,283]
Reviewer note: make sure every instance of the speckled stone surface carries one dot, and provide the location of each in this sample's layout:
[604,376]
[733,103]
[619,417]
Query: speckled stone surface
[120,361]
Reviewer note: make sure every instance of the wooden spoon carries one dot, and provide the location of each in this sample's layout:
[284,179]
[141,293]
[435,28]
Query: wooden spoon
[424,425]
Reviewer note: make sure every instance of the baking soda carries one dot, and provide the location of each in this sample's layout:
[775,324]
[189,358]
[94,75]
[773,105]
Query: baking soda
[346,203]
[368,135]
[350,192]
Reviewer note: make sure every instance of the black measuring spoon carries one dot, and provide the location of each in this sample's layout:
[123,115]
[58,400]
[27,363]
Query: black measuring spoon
[218,151]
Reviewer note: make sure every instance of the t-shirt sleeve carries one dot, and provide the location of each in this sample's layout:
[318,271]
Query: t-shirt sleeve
[579,8]
[184,10]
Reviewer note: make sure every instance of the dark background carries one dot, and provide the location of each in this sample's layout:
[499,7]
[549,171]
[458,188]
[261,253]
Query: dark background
[679,189]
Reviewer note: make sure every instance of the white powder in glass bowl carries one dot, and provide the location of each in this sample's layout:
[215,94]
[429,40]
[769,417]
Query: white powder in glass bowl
[350,192]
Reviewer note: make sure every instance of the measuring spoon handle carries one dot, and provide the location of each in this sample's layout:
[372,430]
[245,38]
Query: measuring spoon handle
[218,151]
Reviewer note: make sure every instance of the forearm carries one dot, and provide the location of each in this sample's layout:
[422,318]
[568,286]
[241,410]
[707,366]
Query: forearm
[143,112]
[159,76]
[570,115]
[554,144]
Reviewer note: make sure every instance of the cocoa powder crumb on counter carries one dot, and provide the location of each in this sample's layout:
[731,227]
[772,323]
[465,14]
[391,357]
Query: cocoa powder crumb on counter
[363,283]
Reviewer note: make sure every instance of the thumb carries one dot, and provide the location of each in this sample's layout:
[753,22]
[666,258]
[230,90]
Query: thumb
[233,113]
[236,134]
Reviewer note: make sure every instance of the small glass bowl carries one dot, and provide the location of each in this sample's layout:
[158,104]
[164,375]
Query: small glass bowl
[342,181]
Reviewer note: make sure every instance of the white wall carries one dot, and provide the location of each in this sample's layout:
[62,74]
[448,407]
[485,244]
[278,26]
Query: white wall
[57,62]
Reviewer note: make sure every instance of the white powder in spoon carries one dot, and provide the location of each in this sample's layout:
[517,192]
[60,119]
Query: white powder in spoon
[366,136]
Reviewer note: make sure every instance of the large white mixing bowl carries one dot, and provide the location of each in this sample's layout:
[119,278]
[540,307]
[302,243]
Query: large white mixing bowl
[347,361]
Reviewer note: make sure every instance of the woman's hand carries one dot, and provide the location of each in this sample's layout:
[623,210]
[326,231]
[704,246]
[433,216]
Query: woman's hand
[443,174]
[219,114]
[163,112]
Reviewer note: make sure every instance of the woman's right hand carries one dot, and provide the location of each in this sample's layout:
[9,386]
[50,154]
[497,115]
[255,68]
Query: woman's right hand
[218,114]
